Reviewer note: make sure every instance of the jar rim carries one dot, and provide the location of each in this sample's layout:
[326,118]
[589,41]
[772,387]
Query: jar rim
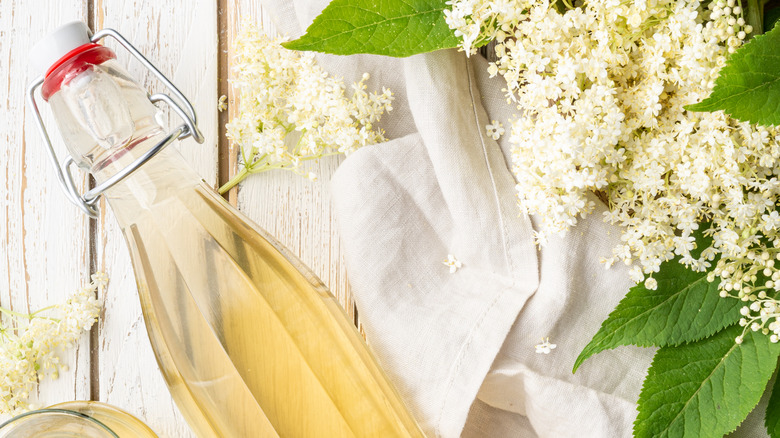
[81,415]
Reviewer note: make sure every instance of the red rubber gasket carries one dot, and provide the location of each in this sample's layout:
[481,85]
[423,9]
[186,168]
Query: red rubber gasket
[72,64]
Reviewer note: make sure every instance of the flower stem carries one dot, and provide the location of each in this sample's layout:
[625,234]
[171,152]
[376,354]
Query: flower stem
[755,16]
[16,314]
[42,310]
[263,166]
[243,173]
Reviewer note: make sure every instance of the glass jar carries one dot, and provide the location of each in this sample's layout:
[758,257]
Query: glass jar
[83,419]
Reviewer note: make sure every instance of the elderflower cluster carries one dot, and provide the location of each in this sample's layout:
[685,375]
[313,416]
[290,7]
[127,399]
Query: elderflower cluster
[291,111]
[476,22]
[600,87]
[30,343]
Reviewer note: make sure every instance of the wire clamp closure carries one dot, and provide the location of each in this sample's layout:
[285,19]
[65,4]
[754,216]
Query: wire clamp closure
[88,201]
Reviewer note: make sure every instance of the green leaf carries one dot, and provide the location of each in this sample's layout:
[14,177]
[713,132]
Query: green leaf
[390,27]
[684,308]
[706,388]
[772,418]
[748,86]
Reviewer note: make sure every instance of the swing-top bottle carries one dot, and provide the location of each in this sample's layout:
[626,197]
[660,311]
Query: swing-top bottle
[250,342]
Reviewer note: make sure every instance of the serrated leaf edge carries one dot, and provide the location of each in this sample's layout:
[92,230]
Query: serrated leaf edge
[296,44]
[720,363]
[775,392]
[731,350]
[583,357]
[709,104]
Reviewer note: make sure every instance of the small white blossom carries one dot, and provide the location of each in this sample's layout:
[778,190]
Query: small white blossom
[494,130]
[222,103]
[545,347]
[453,263]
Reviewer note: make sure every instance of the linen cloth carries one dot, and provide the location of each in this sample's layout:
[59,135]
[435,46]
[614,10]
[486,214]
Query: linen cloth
[460,347]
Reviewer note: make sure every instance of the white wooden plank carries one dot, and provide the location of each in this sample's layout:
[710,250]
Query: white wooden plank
[180,38]
[44,241]
[296,211]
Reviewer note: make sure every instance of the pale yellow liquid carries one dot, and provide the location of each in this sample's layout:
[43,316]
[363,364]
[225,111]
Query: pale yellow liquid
[251,344]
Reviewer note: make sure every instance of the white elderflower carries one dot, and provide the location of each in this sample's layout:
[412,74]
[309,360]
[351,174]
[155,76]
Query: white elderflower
[477,22]
[222,103]
[545,347]
[600,90]
[29,345]
[291,111]
[651,283]
[494,130]
[453,263]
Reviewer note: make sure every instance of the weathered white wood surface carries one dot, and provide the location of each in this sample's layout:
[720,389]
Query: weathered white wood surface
[46,242]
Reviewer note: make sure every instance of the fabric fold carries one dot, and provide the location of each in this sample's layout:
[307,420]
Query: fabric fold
[487,235]
[479,189]
[435,333]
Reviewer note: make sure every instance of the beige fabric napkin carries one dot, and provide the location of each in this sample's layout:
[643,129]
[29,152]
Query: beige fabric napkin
[460,346]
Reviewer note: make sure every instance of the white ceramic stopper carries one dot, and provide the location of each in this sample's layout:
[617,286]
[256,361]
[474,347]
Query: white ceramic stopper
[57,44]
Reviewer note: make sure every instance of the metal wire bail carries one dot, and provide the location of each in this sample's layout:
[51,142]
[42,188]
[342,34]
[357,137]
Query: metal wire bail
[88,202]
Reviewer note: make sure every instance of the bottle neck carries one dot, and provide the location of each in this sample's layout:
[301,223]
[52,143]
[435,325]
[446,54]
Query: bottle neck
[99,108]
[163,176]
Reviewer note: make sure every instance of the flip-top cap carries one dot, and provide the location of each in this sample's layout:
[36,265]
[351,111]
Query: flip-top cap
[58,44]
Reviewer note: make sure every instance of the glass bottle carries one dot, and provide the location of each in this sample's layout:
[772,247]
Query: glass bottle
[250,342]
[83,419]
